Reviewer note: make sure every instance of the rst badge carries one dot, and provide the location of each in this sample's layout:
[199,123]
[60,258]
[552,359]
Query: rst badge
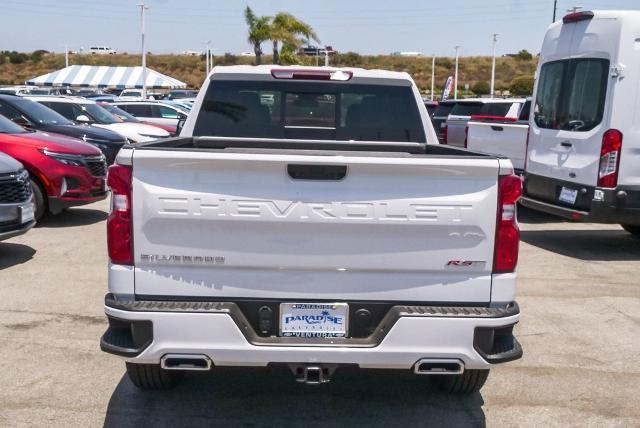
[465,264]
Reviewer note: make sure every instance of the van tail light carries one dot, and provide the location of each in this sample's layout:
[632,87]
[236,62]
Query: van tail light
[466,135]
[610,158]
[444,135]
[119,222]
[505,256]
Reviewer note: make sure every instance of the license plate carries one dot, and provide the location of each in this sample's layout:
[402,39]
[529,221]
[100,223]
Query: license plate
[568,195]
[314,319]
[26,213]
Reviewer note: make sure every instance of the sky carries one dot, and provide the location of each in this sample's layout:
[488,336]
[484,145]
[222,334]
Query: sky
[367,27]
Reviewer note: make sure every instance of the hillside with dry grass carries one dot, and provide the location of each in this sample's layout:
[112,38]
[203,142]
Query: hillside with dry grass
[473,71]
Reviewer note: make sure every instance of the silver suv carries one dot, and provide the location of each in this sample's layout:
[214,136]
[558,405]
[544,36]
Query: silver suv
[16,199]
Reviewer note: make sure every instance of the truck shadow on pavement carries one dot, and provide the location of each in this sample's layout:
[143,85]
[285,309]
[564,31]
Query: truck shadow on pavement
[272,398]
[526,215]
[587,245]
[73,217]
[14,254]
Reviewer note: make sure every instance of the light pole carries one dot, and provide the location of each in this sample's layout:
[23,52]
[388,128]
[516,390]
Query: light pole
[433,73]
[493,64]
[555,8]
[455,77]
[144,53]
[66,56]
[207,54]
[326,57]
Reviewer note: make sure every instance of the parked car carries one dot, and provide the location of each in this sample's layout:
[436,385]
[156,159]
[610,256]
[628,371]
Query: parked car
[87,112]
[177,94]
[455,131]
[500,135]
[128,117]
[154,111]
[287,234]
[583,159]
[16,198]
[32,115]
[440,116]
[130,95]
[63,171]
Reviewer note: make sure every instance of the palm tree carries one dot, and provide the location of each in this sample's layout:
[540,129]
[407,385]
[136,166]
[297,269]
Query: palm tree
[259,30]
[289,30]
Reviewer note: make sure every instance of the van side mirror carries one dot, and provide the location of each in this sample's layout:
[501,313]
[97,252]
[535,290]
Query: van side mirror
[180,125]
[83,119]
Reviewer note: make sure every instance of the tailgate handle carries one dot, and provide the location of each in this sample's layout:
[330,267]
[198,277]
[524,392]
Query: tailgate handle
[566,144]
[317,172]
[497,128]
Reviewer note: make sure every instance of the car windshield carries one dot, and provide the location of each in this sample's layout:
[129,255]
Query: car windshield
[8,127]
[182,94]
[131,94]
[310,110]
[39,113]
[100,115]
[116,111]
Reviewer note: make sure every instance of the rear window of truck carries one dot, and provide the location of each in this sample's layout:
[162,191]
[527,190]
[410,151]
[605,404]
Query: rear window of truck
[484,109]
[571,94]
[309,110]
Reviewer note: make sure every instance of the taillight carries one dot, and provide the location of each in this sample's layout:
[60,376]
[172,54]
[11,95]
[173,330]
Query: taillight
[610,158]
[119,222]
[444,135]
[505,256]
[466,135]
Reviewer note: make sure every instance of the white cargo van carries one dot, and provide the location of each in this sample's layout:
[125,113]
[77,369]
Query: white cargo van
[584,143]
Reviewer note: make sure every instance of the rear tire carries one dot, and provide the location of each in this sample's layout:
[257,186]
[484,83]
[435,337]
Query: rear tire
[39,200]
[151,376]
[466,383]
[632,229]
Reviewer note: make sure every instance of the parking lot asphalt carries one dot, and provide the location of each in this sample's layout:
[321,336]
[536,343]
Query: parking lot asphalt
[579,292]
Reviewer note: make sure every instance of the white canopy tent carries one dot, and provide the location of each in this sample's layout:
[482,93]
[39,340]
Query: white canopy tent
[106,77]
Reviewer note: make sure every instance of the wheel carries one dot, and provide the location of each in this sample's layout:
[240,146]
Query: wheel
[632,229]
[151,376]
[39,200]
[466,383]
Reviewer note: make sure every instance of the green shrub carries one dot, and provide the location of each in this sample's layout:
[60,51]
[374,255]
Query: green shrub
[522,85]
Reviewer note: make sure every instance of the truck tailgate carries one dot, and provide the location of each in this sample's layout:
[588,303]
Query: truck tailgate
[505,139]
[225,224]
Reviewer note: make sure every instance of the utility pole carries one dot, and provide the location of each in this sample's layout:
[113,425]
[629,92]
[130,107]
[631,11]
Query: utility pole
[433,73]
[144,52]
[493,64]
[326,58]
[455,77]
[207,56]
[555,8]
[66,55]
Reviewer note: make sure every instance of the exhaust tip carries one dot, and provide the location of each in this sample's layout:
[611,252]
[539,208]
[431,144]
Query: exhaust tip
[427,366]
[185,362]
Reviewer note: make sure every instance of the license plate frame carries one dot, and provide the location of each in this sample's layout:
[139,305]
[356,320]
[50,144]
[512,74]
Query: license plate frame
[314,320]
[568,195]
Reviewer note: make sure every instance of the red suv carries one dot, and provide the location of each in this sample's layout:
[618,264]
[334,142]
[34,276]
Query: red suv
[64,172]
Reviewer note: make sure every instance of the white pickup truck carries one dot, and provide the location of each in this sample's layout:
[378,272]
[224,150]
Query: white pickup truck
[307,217]
[502,136]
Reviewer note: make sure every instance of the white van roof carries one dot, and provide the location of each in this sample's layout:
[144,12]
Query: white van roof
[601,31]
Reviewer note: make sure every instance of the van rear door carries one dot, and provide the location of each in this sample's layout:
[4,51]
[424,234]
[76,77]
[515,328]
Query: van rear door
[569,115]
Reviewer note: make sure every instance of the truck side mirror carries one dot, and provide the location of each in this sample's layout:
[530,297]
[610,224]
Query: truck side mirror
[83,119]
